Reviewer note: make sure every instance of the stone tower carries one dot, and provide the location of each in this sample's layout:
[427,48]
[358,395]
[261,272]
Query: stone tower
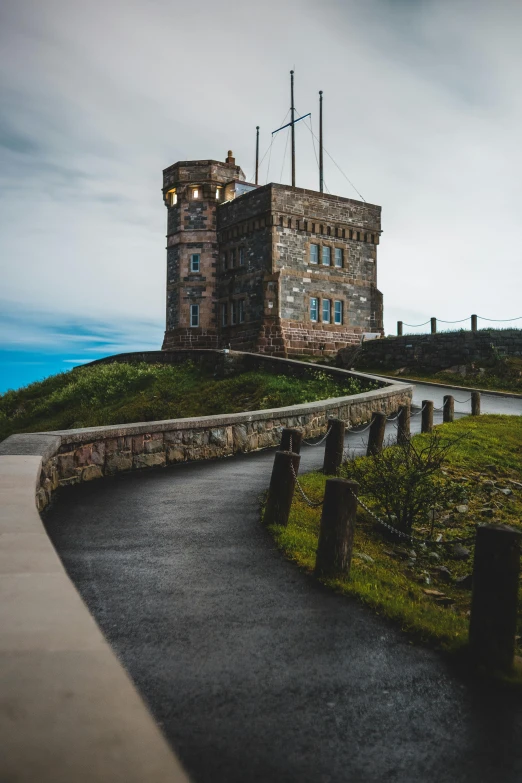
[192,190]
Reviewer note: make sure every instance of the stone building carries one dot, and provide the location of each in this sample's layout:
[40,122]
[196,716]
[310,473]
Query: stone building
[273,269]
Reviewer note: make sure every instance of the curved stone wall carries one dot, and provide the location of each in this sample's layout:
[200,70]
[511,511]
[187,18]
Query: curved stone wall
[68,710]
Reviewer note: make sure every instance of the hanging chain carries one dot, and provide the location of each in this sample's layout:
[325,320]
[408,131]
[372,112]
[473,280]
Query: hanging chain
[318,442]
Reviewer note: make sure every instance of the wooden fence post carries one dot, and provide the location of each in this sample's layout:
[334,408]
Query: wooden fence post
[475,403]
[448,408]
[334,448]
[494,600]
[427,416]
[334,550]
[281,490]
[403,424]
[473,323]
[433,325]
[376,434]
[295,436]
[399,328]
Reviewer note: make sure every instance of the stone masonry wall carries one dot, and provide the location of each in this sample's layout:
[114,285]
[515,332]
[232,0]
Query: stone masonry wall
[436,352]
[93,452]
[273,227]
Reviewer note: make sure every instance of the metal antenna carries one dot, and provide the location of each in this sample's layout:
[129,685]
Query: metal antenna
[321,170]
[292,110]
[257,153]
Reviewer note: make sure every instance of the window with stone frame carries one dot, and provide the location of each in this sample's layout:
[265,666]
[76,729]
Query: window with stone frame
[233,312]
[172,197]
[241,256]
[327,255]
[195,261]
[224,314]
[314,254]
[314,308]
[194,315]
[338,312]
[196,192]
[327,306]
[241,310]
[338,257]
[232,258]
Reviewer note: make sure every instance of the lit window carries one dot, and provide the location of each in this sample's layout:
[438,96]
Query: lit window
[241,256]
[194,315]
[241,305]
[326,255]
[224,314]
[172,197]
[338,256]
[314,254]
[326,311]
[313,308]
[195,192]
[338,312]
[233,312]
[218,194]
[194,262]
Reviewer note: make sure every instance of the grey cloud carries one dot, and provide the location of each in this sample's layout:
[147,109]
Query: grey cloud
[422,111]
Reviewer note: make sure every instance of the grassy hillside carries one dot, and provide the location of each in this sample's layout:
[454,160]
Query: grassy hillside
[421,587]
[122,393]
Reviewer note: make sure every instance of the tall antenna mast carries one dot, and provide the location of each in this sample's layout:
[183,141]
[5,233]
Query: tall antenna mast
[257,154]
[321,170]
[292,116]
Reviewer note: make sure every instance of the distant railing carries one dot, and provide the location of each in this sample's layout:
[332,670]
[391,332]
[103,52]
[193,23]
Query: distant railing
[474,323]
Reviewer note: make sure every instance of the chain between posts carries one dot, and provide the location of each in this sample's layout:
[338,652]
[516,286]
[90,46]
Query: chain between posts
[318,442]
[305,497]
[401,533]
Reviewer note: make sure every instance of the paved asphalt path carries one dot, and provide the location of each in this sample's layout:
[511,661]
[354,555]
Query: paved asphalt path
[254,671]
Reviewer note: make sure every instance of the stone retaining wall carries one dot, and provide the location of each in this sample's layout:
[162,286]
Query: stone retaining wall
[77,455]
[434,352]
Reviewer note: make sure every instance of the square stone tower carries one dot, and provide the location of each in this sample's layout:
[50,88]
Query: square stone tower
[192,190]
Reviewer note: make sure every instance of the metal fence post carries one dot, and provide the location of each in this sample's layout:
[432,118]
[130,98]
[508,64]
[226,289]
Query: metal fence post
[334,448]
[334,550]
[281,490]
[494,600]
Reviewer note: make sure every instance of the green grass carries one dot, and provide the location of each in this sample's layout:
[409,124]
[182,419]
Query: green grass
[502,375]
[117,393]
[395,584]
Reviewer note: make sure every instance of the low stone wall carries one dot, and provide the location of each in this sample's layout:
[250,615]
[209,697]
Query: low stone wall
[434,352]
[94,452]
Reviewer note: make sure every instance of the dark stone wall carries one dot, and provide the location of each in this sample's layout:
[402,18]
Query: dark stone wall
[436,352]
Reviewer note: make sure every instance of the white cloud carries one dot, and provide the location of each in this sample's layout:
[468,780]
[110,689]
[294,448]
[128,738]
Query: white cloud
[422,109]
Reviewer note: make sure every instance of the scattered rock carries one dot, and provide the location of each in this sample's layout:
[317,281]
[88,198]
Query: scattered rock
[444,574]
[462,509]
[433,556]
[489,483]
[445,600]
[487,512]
[436,593]
[507,491]
[464,582]
[460,552]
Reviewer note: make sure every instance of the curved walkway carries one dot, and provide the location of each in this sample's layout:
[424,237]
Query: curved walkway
[255,672]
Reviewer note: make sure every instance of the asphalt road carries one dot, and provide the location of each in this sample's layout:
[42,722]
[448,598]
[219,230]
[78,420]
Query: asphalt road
[253,670]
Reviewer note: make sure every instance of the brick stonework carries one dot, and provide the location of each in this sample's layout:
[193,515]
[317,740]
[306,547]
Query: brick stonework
[256,278]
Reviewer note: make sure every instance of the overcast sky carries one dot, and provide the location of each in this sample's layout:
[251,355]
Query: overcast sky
[423,113]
